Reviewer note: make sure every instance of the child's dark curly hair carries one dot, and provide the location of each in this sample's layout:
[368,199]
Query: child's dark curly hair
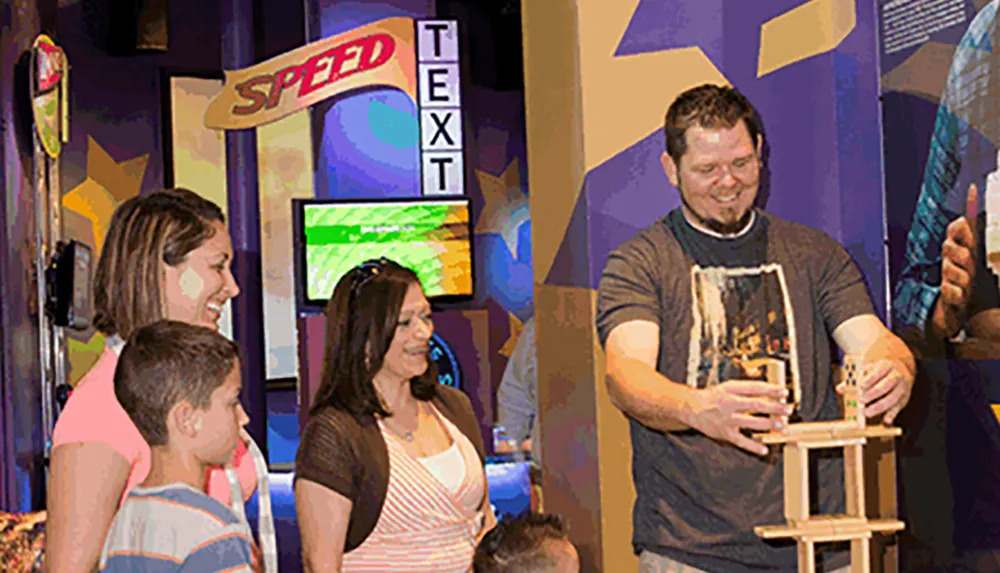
[518,544]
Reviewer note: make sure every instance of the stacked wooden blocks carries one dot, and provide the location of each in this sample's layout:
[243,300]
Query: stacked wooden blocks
[851,434]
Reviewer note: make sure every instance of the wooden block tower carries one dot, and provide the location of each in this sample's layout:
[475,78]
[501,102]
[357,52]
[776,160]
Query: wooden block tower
[851,434]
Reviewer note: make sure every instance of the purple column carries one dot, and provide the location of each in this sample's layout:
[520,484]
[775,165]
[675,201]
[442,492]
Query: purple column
[244,224]
[22,474]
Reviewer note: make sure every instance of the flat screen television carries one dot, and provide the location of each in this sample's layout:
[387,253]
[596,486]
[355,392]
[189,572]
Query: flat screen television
[431,235]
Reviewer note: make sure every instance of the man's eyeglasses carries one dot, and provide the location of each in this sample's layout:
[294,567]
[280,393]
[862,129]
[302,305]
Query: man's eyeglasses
[742,169]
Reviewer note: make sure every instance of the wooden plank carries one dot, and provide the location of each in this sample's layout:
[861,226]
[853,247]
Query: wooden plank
[776,375]
[854,479]
[837,528]
[887,503]
[807,557]
[827,443]
[834,536]
[805,432]
[817,427]
[880,471]
[796,472]
[860,556]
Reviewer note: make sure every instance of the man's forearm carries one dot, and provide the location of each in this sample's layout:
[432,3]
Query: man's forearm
[648,397]
[892,347]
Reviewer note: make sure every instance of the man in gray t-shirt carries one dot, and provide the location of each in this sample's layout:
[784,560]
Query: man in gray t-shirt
[689,311]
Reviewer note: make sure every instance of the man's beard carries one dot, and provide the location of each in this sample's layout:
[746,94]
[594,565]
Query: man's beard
[713,225]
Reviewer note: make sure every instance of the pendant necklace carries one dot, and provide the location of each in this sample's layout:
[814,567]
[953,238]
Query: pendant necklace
[407,436]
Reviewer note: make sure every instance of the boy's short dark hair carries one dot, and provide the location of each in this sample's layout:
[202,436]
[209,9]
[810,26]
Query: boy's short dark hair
[168,362]
[518,544]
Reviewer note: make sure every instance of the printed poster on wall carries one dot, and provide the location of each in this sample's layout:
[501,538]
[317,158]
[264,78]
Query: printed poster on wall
[940,79]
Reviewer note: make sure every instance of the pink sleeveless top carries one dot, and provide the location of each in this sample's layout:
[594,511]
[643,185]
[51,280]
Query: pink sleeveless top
[424,527]
[93,414]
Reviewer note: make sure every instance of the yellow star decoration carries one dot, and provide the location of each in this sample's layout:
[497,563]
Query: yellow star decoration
[506,205]
[807,30]
[614,123]
[996,410]
[516,326]
[81,356]
[108,183]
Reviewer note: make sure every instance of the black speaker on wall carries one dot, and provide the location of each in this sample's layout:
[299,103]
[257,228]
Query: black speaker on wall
[137,26]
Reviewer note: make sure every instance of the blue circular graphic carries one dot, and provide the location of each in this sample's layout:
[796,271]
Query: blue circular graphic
[449,371]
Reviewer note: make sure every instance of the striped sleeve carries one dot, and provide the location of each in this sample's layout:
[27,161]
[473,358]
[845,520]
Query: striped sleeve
[127,562]
[229,552]
[176,528]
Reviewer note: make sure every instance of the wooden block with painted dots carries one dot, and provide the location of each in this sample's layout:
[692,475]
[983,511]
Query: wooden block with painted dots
[853,408]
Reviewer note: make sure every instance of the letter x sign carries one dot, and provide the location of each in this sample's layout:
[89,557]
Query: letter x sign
[441,129]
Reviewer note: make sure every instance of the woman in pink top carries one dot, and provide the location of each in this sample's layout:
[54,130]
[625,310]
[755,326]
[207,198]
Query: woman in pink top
[166,255]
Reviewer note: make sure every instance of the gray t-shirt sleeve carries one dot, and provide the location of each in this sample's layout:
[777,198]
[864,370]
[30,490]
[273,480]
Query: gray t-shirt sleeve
[629,288]
[841,293]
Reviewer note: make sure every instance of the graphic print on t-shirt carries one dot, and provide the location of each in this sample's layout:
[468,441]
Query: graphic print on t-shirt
[743,320]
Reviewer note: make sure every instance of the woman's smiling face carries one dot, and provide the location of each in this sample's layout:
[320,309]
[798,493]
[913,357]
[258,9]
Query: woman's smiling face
[196,289]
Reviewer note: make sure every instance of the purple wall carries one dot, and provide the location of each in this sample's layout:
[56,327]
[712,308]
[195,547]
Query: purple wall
[822,134]
[118,100]
[21,435]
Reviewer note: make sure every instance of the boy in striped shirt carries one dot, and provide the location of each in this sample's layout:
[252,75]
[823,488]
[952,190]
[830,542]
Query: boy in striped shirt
[180,385]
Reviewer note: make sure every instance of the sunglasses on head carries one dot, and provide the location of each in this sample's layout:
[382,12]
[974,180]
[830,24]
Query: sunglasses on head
[365,272]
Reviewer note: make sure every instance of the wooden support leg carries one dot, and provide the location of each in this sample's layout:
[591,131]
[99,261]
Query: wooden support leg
[807,556]
[861,555]
[854,479]
[881,455]
[796,483]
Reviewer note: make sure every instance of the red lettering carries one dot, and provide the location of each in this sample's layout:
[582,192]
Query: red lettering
[341,61]
[378,49]
[316,64]
[362,55]
[337,56]
[246,91]
[285,78]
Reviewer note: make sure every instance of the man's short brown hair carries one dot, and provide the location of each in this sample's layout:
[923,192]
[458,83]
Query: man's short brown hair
[708,106]
[168,362]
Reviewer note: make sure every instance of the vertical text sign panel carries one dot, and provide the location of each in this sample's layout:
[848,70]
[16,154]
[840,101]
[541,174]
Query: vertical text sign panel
[440,101]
